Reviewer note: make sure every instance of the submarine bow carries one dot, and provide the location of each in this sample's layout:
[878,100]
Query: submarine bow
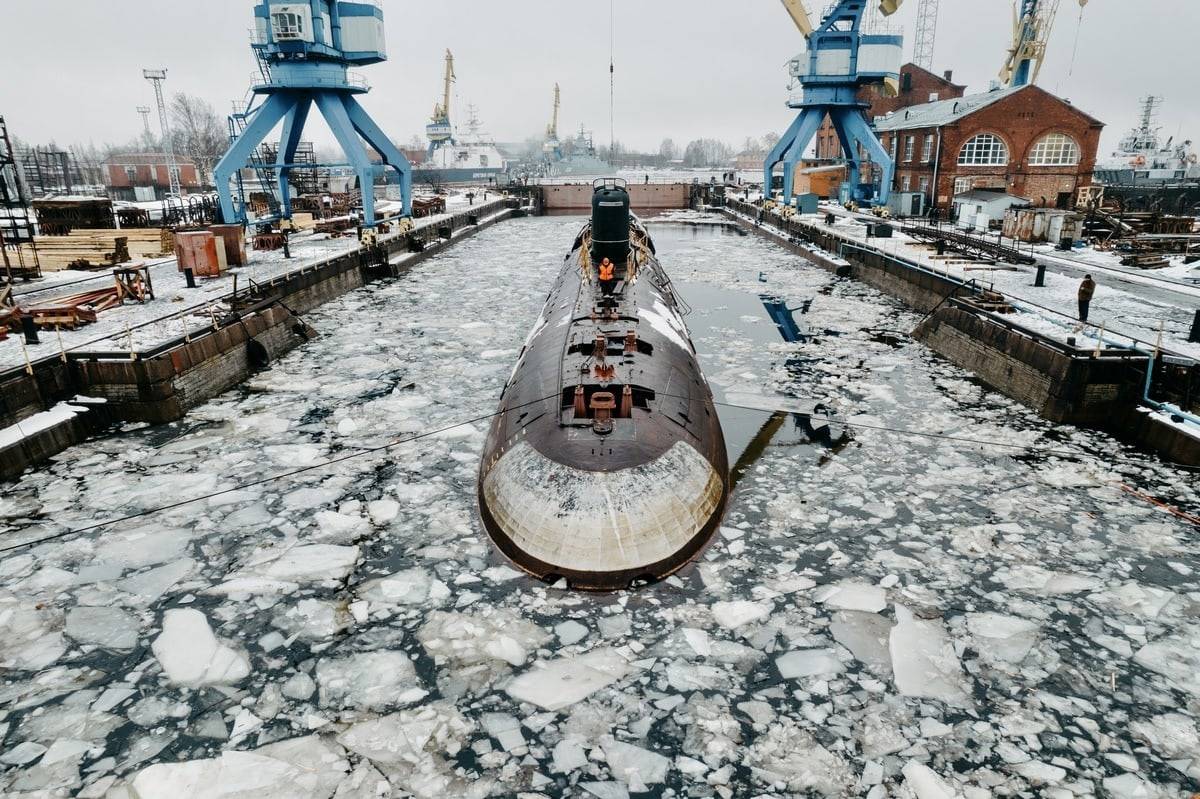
[606,464]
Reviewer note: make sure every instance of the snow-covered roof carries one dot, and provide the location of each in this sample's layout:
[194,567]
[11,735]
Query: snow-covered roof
[942,112]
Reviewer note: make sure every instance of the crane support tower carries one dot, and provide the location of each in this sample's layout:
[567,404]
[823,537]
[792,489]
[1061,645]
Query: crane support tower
[440,131]
[305,50]
[840,60]
[926,36]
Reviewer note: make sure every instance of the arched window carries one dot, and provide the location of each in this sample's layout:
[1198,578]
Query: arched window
[1056,149]
[986,149]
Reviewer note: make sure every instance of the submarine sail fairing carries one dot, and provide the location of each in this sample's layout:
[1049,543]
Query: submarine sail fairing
[606,464]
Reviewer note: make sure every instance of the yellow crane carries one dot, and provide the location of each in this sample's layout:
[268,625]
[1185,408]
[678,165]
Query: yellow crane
[552,128]
[1032,22]
[442,111]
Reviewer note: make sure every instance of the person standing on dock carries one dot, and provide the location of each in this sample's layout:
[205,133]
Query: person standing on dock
[1087,290]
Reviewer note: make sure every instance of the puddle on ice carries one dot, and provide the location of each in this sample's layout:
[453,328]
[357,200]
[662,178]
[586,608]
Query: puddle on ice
[898,616]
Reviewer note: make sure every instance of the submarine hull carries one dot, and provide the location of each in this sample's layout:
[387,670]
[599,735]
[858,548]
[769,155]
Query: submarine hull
[606,464]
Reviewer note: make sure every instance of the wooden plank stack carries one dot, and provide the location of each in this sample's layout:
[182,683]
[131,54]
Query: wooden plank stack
[93,248]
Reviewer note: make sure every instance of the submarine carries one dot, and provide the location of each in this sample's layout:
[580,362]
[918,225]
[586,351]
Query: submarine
[605,465]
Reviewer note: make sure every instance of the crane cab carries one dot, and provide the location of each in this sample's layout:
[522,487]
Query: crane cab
[330,30]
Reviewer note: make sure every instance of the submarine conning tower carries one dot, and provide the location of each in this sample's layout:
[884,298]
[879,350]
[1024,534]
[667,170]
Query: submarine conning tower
[611,221]
[606,465]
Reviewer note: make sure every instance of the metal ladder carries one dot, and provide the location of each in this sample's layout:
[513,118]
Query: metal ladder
[259,160]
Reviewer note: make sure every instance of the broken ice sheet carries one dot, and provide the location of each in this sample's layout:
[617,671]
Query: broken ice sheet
[923,660]
[560,683]
[368,681]
[191,655]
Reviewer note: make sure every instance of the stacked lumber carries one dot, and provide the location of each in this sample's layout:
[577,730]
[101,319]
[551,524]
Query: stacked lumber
[1145,260]
[90,248]
[75,309]
[428,206]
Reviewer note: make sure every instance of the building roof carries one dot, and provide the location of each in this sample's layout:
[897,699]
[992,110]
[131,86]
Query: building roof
[942,112]
[947,112]
[147,159]
[984,196]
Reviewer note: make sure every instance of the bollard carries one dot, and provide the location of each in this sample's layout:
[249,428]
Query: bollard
[189,277]
[30,329]
[1040,282]
[1194,338]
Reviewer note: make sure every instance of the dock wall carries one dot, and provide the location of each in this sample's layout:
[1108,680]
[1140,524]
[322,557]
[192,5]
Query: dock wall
[163,384]
[644,197]
[1064,384]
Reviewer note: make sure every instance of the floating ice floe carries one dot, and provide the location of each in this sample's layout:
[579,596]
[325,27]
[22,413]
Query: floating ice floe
[924,663]
[738,613]
[29,640]
[1002,638]
[1176,657]
[926,784]
[809,663]
[303,769]
[368,681]
[411,745]
[560,683]
[108,627]
[462,639]
[852,596]
[633,765]
[191,655]
[1036,580]
[866,636]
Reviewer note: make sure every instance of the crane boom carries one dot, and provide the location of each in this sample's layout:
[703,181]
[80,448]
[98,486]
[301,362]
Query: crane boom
[449,79]
[1033,20]
[799,15]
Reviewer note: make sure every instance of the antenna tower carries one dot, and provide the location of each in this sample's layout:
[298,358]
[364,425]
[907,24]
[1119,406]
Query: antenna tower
[156,77]
[144,110]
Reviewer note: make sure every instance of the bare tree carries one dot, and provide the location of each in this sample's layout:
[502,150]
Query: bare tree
[668,150]
[770,140]
[198,133]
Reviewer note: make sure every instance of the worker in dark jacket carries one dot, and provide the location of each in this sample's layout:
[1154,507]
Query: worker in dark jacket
[1087,290]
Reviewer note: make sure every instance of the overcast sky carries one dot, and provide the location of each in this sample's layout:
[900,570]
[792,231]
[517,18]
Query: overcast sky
[685,68]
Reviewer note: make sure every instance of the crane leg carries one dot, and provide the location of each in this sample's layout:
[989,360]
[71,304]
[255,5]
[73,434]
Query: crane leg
[392,156]
[855,124]
[810,121]
[289,142]
[264,121]
[333,108]
[790,149]
[849,150]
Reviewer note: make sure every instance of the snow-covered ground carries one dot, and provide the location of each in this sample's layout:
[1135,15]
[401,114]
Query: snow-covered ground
[1126,302]
[901,616]
[175,308]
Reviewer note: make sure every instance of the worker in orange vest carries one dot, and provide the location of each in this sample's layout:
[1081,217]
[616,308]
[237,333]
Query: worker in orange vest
[608,276]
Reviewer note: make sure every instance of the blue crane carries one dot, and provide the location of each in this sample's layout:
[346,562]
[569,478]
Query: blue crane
[840,60]
[305,50]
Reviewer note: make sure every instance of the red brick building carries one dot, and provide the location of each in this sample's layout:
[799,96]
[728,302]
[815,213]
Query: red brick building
[144,176]
[917,86]
[1023,141]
